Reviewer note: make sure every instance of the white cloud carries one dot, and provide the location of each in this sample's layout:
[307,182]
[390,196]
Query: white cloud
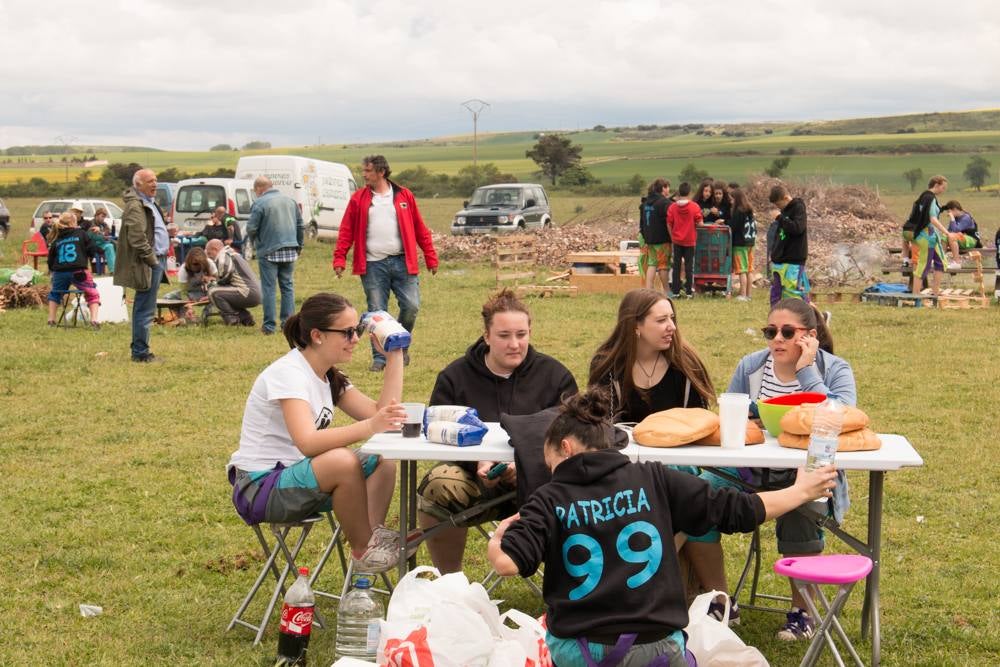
[186,73]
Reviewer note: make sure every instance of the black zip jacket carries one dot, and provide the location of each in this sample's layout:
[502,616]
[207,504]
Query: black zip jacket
[653,219]
[615,521]
[539,382]
[790,245]
[71,250]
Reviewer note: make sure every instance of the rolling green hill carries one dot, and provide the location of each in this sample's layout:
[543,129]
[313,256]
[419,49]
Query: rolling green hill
[866,150]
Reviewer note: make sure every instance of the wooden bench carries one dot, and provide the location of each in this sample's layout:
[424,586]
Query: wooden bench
[601,271]
[977,270]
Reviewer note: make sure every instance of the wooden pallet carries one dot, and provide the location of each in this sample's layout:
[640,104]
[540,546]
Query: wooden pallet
[900,300]
[962,302]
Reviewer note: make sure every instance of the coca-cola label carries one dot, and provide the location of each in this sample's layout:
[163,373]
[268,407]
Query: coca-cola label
[296,620]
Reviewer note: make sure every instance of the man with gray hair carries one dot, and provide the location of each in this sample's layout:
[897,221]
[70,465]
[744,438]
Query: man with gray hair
[142,258]
[237,288]
[276,231]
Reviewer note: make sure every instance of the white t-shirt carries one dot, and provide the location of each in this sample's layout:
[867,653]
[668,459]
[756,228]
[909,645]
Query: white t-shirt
[264,438]
[383,229]
[771,386]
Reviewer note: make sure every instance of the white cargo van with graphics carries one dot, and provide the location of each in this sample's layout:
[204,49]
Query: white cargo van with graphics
[197,198]
[321,189]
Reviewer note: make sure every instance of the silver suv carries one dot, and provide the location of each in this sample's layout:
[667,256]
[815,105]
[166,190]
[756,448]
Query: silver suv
[4,220]
[505,207]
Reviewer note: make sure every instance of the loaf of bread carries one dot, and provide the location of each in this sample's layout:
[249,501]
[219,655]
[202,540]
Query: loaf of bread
[859,440]
[799,420]
[754,436]
[675,427]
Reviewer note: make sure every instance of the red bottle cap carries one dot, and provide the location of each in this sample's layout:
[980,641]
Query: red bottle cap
[304,571]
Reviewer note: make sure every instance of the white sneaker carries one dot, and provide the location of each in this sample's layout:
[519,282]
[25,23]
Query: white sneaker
[953,266]
[742,298]
[382,553]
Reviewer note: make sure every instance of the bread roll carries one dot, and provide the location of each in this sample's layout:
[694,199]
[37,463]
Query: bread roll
[799,419]
[862,440]
[675,427]
[754,436]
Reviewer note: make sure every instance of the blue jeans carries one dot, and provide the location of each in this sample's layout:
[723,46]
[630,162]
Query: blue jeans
[143,310]
[280,273]
[390,274]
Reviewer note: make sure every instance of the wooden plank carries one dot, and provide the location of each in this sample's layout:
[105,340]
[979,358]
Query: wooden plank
[601,256]
[545,290]
[605,283]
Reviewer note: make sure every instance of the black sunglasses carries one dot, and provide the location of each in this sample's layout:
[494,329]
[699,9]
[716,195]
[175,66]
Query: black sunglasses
[348,333]
[787,331]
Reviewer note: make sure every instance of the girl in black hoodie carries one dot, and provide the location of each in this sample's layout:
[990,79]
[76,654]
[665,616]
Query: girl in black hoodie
[500,374]
[70,250]
[604,529]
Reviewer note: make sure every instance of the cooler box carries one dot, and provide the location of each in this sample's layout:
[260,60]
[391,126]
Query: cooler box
[713,259]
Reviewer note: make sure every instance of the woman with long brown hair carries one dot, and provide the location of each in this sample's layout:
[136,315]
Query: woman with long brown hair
[645,362]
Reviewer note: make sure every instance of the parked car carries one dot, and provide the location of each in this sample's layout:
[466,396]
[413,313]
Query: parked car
[57,206]
[4,220]
[197,198]
[165,198]
[321,189]
[504,207]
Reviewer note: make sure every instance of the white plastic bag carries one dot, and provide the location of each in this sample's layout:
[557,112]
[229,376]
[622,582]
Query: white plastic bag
[439,622]
[712,642]
[529,636]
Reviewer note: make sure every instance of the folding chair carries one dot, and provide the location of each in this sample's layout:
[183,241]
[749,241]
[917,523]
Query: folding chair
[808,573]
[79,311]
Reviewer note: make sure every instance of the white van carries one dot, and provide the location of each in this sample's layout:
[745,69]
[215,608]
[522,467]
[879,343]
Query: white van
[197,198]
[321,189]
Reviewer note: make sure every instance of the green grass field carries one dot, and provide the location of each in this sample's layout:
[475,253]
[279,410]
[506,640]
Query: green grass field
[115,492]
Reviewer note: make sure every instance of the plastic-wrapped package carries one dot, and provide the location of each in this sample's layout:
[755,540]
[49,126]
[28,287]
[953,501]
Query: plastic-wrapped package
[389,332]
[453,433]
[460,414]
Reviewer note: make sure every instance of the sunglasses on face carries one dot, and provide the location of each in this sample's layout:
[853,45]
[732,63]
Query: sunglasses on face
[348,333]
[787,331]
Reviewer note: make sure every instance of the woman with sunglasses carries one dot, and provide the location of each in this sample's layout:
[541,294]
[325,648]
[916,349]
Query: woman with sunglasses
[290,453]
[799,357]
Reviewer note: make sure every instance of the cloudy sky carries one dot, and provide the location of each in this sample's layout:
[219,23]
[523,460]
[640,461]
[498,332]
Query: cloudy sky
[186,74]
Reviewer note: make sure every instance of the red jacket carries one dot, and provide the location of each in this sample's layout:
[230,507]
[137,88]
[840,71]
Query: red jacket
[682,216]
[412,231]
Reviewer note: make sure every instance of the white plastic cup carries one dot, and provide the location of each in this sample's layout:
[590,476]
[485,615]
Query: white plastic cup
[733,416]
[414,419]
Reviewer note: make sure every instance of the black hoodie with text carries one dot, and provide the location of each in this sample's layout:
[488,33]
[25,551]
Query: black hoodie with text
[604,528]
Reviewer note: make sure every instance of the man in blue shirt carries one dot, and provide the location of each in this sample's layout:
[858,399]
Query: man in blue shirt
[277,232]
[142,258]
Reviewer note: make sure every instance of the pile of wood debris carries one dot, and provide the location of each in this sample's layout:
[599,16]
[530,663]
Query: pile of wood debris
[841,218]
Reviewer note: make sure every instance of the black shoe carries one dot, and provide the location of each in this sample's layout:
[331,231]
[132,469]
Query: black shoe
[148,359]
[377,366]
[267,332]
[406,357]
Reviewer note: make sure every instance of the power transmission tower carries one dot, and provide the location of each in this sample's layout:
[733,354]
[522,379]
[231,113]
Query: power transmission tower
[475,107]
[66,140]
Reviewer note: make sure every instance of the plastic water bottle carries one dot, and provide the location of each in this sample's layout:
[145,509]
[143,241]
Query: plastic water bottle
[296,621]
[828,418]
[390,333]
[358,619]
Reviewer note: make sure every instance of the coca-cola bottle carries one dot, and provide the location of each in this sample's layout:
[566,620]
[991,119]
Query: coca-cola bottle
[296,621]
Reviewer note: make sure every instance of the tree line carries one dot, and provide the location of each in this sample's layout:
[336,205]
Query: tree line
[114,180]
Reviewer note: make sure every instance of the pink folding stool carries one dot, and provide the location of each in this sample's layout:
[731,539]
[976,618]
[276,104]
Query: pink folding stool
[807,573]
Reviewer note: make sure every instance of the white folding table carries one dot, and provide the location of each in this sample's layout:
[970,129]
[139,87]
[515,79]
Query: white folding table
[896,453]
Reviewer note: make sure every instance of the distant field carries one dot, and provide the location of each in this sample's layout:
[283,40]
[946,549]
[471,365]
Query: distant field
[615,157]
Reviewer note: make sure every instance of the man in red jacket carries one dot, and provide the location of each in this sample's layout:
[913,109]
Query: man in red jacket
[384,226]
[683,216]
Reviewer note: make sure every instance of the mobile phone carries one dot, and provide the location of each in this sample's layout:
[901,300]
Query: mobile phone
[496,471]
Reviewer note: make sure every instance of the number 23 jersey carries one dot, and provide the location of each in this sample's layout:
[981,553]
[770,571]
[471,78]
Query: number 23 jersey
[604,529]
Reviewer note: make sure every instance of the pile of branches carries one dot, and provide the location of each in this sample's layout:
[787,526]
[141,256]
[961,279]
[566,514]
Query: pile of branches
[17,296]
